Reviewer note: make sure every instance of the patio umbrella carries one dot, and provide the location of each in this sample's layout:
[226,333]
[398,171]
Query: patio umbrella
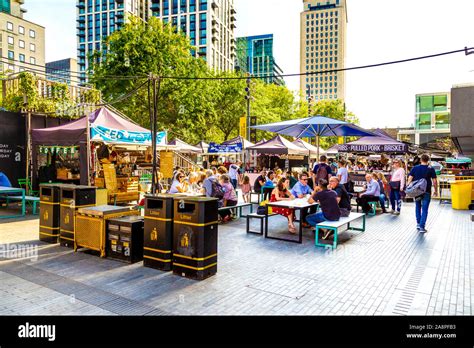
[315,126]
[310,148]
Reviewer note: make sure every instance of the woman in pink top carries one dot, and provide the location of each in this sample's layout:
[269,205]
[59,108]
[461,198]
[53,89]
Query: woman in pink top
[397,184]
[230,197]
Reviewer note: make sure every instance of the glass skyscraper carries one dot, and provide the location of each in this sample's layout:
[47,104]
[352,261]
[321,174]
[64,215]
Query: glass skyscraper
[209,24]
[323,41]
[255,56]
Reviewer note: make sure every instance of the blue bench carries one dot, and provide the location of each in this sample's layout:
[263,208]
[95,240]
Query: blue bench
[28,199]
[336,225]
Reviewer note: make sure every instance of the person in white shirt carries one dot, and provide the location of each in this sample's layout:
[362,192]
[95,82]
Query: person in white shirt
[234,173]
[342,172]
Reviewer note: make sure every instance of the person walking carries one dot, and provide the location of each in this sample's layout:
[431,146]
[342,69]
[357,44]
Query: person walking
[423,171]
[372,194]
[230,198]
[397,185]
[246,188]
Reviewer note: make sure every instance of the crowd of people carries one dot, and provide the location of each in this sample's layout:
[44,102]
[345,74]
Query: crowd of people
[328,183]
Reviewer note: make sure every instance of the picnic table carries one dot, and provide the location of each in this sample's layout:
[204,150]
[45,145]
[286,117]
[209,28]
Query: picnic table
[18,193]
[296,204]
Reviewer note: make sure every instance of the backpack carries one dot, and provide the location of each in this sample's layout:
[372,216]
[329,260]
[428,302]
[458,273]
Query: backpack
[217,190]
[321,173]
[417,188]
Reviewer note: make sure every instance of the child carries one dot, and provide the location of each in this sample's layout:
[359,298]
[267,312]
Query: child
[245,187]
[230,197]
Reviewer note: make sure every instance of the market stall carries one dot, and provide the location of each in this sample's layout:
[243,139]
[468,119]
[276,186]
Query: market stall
[103,149]
[280,151]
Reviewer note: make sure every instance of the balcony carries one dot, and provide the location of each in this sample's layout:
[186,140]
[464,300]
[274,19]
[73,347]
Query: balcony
[155,6]
[81,4]
[215,30]
[214,5]
[232,18]
[119,14]
[233,11]
[233,26]
[215,38]
[80,26]
[82,48]
[82,19]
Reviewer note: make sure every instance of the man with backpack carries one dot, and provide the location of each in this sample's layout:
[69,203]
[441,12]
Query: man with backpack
[321,170]
[420,181]
[212,187]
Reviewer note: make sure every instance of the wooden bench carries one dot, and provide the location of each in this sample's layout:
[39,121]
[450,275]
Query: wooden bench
[335,225]
[28,199]
[239,206]
[257,216]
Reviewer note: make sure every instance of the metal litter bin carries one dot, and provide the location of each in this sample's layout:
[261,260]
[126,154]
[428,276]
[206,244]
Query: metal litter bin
[72,198]
[158,232]
[49,212]
[195,237]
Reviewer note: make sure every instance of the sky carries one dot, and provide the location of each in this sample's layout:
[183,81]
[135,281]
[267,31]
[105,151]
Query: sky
[377,31]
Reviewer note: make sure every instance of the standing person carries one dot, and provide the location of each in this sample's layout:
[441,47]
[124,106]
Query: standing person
[333,165]
[245,187]
[282,193]
[234,169]
[230,197]
[327,202]
[300,190]
[423,171]
[343,174]
[372,194]
[383,195]
[397,185]
[321,170]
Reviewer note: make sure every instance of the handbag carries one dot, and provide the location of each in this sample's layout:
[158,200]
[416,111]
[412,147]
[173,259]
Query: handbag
[395,185]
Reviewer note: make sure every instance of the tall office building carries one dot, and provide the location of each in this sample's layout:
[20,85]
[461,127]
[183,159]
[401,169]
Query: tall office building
[255,56]
[21,41]
[209,24]
[323,47]
[97,19]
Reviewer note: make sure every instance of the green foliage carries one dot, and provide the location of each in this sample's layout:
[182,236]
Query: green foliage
[192,110]
[23,94]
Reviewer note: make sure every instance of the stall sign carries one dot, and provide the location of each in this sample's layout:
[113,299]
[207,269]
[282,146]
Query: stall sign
[166,164]
[216,148]
[123,136]
[292,157]
[373,148]
[243,126]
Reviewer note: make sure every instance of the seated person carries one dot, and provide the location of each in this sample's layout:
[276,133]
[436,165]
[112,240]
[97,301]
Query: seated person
[269,185]
[259,182]
[179,184]
[300,190]
[328,203]
[282,193]
[343,199]
[372,194]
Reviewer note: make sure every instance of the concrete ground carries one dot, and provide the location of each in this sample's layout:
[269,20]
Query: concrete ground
[388,270]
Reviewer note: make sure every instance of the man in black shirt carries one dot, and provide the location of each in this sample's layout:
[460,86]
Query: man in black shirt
[343,198]
[259,182]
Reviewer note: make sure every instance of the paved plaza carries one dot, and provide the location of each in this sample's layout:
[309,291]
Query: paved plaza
[388,270]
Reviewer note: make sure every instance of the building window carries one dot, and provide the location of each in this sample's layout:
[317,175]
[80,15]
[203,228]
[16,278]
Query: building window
[32,60]
[11,40]
[423,121]
[11,55]
[10,26]
[21,30]
[21,43]
[22,58]
[443,120]
[32,33]
[32,47]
